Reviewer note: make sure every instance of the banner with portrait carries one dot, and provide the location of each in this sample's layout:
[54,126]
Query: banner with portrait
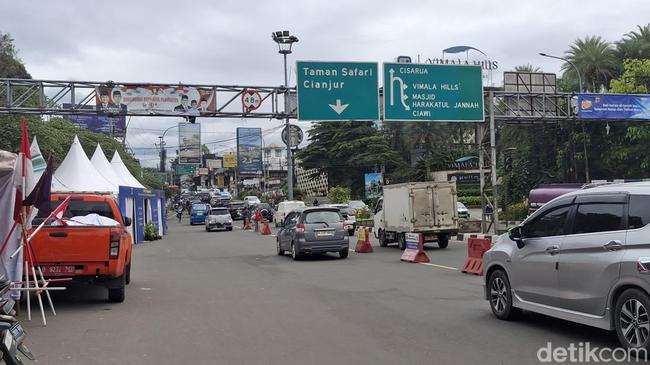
[189,143]
[155,100]
[249,150]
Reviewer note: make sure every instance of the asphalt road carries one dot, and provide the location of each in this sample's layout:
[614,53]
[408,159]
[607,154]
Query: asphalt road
[227,298]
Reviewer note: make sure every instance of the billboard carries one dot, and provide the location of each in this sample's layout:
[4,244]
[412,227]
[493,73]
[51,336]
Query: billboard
[613,106]
[374,185]
[249,150]
[154,100]
[189,143]
[229,160]
[115,125]
[213,164]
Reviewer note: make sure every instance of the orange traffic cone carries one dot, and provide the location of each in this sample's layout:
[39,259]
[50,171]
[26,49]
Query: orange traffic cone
[363,241]
[266,228]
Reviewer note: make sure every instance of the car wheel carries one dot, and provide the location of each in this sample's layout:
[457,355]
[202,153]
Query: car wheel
[127,279]
[280,250]
[443,240]
[117,295]
[382,238]
[631,319]
[350,232]
[294,252]
[207,229]
[228,228]
[401,241]
[344,254]
[501,296]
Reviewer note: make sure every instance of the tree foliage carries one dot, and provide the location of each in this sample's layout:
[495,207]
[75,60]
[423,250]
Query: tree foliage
[596,60]
[338,195]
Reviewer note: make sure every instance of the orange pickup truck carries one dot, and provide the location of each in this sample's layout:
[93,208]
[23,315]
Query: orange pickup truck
[94,253]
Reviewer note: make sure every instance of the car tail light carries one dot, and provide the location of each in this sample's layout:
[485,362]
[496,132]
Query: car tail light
[300,228]
[114,246]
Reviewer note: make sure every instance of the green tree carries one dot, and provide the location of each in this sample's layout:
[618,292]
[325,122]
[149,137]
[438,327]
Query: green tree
[596,60]
[635,44]
[10,65]
[347,150]
[338,195]
[527,68]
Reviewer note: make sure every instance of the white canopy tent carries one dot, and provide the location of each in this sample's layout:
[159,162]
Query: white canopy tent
[105,168]
[77,174]
[120,169]
[38,162]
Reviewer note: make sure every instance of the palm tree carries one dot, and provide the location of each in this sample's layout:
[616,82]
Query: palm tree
[595,58]
[527,68]
[635,44]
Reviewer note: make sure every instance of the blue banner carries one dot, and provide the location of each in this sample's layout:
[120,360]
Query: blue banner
[613,106]
[97,123]
[249,150]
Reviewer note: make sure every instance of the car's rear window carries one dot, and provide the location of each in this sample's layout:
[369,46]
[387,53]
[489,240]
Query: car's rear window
[639,211]
[219,212]
[79,208]
[320,216]
[199,207]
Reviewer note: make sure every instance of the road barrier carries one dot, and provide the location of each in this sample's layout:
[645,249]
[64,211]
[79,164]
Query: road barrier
[266,228]
[363,241]
[414,251]
[476,248]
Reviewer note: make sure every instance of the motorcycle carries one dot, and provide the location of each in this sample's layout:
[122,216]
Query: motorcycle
[12,333]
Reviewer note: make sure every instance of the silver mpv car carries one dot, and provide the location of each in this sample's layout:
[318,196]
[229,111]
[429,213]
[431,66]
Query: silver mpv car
[582,257]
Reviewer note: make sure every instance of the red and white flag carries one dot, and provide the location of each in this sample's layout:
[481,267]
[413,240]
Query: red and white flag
[58,212]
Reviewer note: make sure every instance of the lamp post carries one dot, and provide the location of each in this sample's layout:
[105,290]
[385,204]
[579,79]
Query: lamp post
[584,144]
[163,151]
[284,41]
[570,63]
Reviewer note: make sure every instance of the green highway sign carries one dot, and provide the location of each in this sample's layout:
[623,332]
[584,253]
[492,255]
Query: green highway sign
[433,93]
[337,91]
[185,169]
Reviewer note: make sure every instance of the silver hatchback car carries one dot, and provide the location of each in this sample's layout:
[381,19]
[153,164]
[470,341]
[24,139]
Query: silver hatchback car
[582,257]
[313,230]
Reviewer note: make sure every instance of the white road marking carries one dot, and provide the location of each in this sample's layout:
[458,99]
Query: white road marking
[439,266]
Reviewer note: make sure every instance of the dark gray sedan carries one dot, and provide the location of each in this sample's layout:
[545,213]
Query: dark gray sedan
[313,230]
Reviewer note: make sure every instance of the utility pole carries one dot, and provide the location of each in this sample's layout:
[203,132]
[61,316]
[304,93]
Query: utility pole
[163,154]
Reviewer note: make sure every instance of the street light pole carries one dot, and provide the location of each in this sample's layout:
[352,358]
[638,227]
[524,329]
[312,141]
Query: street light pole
[584,144]
[570,63]
[285,41]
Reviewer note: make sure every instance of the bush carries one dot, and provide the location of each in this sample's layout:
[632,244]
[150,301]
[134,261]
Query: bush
[150,232]
[338,195]
[470,201]
[516,212]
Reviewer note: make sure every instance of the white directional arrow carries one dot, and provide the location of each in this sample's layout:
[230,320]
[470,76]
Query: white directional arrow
[338,107]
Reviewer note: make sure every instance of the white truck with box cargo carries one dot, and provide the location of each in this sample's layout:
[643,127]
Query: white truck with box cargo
[420,207]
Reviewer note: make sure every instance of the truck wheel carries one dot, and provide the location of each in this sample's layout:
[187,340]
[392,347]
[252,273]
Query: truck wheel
[443,240]
[401,241]
[382,238]
[117,295]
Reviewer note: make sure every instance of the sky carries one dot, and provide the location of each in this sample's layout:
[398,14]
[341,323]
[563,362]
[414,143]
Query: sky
[229,42]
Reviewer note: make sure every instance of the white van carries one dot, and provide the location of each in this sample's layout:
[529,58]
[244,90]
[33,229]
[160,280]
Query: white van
[284,208]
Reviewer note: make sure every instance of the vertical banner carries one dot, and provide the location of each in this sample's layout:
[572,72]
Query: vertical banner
[189,143]
[374,185]
[249,150]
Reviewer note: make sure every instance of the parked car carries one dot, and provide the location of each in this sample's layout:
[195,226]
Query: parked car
[251,200]
[198,212]
[349,216]
[582,257]
[313,230]
[236,208]
[357,204]
[463,212]
[99,254]
[218,218]
[284,208]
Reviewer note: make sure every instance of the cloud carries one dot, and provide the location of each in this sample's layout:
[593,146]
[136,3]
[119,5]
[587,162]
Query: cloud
[228,42]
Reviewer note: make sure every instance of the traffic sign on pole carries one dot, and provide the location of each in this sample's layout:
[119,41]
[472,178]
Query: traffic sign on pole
[433,93]
[337,91]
